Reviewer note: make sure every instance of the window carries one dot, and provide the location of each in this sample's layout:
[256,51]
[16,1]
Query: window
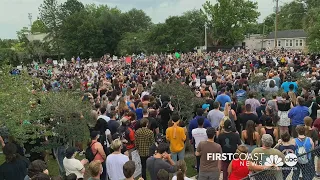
[297,42]
[289,43]
[279,43]
[301,42]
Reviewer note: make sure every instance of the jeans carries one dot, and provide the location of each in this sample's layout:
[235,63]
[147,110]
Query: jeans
[144,167]
[178,155]
[224,168]
[308,171]
[60,154]
[209,175]
[103,176]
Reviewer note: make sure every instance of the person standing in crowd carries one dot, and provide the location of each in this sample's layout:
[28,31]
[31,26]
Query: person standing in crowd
[229,142]
[128,170]
[115,161]
[248,115]
[36,167]
[163,175]
[103,114]
[113,124]
[215,116]
[262,108]
[72,165]
[286,85]
[165,113]
[270,129]
[160,138]
[297,115]
[152,123]
[95,169]
[209,168]
[193,124]
[161,160]
[144,140]
[206,108]
[266,150]
[254,103]
[304,145]
[286,146]
[98,151]
[313,106]
[240,167]
[223,98]
[127,134]
[284,106]
[181,173]
[176,137]
[199,134]
[15,166]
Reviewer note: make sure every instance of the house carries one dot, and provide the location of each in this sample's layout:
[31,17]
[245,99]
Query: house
[288,39]
[37,37]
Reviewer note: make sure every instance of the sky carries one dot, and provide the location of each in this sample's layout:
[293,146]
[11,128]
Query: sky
[14,13]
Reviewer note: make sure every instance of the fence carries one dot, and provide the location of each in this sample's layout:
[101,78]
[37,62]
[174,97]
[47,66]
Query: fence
[299,171]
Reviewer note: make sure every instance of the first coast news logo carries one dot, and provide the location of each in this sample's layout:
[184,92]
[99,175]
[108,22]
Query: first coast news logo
[290,159]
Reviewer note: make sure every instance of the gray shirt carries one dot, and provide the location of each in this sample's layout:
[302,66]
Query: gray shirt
[215,116]
[155,164]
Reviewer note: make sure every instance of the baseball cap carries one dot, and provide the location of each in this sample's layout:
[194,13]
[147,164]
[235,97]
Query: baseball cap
[227,125]
[263,100]
[205,106]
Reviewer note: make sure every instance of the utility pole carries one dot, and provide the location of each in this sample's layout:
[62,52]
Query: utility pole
[263,33]
[205,36]
[276,25]
[30,19]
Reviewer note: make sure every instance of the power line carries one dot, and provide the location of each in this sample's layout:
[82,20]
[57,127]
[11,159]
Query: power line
[276,24]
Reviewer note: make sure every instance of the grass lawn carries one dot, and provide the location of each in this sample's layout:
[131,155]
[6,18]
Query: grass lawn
[54,169]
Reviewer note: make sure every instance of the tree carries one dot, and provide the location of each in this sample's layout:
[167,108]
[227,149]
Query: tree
[230,18]
[291,16]
[29,114]
[70,7]
[86,38]
[49,14]
[133,43]
[38,27]
[312,26]
[135,20]
[38,49]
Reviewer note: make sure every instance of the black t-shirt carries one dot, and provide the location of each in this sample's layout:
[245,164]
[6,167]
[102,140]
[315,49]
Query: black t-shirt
[16,170]
[113,126]
[244,117]
[152,124]
[229,142]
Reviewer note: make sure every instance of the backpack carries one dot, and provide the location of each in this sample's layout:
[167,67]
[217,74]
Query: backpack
[310,108]
[302,150]
[89,154]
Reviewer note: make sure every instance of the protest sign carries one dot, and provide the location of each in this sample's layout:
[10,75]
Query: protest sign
[177,55]
[95,64]
[115,58]
[128,60]
[55,62]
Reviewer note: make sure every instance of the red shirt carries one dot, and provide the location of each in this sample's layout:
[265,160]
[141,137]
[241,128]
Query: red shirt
[239,169]
[316,125]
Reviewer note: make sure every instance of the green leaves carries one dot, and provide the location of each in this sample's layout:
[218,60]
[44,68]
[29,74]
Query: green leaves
[58,116]
[229,19]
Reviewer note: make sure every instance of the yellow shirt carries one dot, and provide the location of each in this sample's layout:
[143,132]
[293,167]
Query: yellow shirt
[176,136]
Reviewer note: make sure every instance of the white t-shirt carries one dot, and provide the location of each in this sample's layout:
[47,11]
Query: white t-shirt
[106,118]
[73,166]
[115,164]
[199,134]
[185,178]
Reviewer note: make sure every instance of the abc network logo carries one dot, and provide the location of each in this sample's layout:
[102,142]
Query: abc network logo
[290,160]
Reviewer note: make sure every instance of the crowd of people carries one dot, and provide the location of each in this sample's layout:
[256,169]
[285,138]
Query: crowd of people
[129,117]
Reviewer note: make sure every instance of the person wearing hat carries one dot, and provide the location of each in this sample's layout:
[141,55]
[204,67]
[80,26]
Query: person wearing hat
[262,108]
[97,149]
[229,142]
[205,108]
[72,165]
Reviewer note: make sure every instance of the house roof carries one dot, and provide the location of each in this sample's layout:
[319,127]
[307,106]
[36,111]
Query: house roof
[37,37]
[288,34]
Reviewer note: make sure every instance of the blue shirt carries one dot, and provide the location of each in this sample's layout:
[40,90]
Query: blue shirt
[193,124]
[285,86]
[139,113]
[223,99]
[306,143]
[297,114]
